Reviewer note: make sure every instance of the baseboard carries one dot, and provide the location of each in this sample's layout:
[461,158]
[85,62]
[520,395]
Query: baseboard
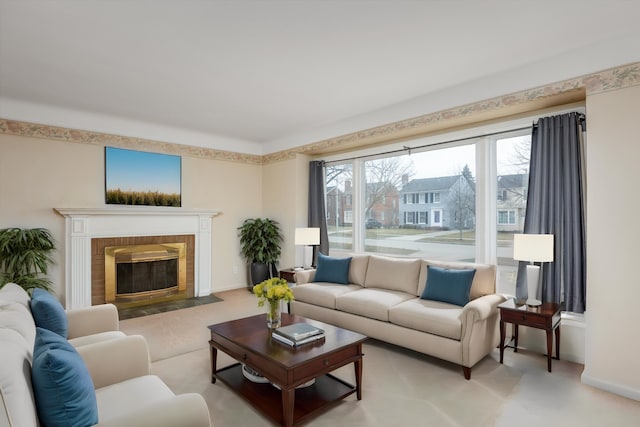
[619,389]
[227,288]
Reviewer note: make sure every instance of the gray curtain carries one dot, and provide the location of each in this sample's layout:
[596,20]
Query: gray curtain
[555,205]
[317,210]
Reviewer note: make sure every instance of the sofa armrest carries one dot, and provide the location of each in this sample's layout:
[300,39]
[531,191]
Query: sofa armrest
[92,320]
[187,409]
[116,360]
[481,308]
[305,276]
[477,310]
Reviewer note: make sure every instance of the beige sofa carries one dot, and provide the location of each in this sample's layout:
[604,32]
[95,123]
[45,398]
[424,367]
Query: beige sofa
[119,367]
[382,300]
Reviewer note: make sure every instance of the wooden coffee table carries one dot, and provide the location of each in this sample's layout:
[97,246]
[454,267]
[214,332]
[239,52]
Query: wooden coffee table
[249,341]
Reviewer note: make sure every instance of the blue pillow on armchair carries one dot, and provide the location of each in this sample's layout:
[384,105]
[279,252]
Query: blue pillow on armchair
[448,285]
[48,313]
[332,270]
[62,385]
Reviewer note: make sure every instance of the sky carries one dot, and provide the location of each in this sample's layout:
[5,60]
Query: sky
[450,161]
[131,170]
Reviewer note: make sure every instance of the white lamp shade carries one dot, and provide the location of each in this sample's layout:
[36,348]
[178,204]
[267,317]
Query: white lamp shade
[307,236]
[533,247]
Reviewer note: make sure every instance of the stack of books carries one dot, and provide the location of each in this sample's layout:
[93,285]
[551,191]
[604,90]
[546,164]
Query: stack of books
[298,334]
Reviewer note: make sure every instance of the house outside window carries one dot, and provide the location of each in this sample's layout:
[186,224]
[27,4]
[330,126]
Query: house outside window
[436,217]
[348,217]
[507,217]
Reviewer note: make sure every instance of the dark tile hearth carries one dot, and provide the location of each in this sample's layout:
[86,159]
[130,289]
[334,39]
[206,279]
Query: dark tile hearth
[130,313]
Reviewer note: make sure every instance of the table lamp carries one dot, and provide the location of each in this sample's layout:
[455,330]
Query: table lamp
[307,237]
[533,248]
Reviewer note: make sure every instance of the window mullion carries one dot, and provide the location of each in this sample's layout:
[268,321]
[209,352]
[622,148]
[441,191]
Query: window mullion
[358,233]
[486,194]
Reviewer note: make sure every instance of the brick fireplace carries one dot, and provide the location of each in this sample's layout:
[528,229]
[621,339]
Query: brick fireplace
[88,231]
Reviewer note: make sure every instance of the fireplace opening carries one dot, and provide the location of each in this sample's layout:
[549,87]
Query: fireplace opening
[139,273]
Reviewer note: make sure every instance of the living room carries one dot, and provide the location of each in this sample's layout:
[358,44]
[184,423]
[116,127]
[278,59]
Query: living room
[52,153]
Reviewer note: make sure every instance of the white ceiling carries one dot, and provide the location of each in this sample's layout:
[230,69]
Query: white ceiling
[261,76]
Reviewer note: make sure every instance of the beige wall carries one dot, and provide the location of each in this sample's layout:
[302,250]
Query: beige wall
[612,353]
[285,188]
[37,175]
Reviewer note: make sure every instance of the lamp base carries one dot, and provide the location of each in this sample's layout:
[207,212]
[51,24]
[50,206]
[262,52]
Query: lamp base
[307,257]
[533,275]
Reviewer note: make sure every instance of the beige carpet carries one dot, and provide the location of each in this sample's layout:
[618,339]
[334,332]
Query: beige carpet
[400,387]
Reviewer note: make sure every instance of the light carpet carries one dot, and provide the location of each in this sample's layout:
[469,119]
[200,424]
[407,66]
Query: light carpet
[400,387]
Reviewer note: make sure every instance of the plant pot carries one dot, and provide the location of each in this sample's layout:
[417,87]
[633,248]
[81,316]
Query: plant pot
[257,272]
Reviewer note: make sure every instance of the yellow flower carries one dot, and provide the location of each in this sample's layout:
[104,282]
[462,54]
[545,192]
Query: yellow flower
[273,290]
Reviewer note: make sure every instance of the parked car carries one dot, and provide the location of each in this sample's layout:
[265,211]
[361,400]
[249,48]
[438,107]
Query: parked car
[372,223]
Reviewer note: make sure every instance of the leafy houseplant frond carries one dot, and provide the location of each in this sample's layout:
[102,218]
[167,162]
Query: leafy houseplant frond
[25,256]
[260,240]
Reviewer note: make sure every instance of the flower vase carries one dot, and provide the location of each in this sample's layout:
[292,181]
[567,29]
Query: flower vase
[274,314]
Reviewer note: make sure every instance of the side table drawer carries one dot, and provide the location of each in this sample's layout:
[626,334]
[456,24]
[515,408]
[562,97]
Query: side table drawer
[524,318]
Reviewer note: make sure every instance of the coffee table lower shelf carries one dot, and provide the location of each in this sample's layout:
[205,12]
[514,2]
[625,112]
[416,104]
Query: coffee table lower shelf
[325,392]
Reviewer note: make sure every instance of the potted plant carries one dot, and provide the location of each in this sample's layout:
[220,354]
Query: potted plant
[260,241]
[25,255]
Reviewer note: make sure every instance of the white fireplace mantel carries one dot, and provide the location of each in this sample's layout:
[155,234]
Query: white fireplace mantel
[84,224]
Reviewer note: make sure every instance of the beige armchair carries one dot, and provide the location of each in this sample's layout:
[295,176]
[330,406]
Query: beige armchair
[119,366]
[128,395]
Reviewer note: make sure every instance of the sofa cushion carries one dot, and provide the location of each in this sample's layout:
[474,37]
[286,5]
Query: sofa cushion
[332,270]
[321,294]
[432,317]
[484,281]
[15,316]
[448,285]
[396,274]
[358,269]
[16,394]
[14,293]
[48,313]
[62,385]
[123,398]
[371,302]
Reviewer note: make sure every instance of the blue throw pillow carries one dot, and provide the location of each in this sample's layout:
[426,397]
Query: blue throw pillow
[62,386]
[448,285]
[332,270]
[48,312]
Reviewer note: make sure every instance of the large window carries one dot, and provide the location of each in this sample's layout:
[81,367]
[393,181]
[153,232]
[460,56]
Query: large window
[432,201]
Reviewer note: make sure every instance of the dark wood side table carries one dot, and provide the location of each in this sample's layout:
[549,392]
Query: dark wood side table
[545,316]
[288,274]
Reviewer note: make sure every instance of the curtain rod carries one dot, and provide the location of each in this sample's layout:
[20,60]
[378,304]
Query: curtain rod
[408,149]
